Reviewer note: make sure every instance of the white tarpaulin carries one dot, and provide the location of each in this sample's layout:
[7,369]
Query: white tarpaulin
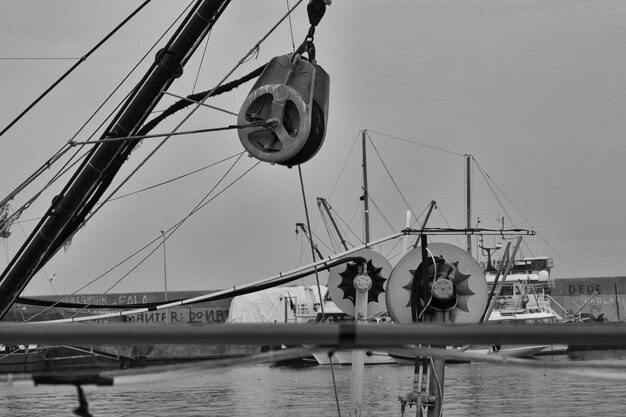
[276,305]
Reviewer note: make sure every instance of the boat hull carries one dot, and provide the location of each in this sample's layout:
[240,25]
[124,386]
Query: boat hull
[344,357]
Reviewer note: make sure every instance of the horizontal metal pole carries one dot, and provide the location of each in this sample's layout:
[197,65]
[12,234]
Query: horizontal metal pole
[342,335]
[481,232]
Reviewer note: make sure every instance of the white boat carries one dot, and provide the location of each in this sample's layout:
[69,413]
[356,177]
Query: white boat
[344,357]
[515,352]
[524,295]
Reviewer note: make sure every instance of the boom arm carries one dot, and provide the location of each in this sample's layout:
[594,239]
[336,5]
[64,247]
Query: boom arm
[69,209]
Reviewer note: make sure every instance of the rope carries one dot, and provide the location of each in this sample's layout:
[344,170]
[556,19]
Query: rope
[380,211]
[67,146]
[279,279]
[331,236]
[448,224]
[206,44]
[195,171]
[293,42]
[174,228]
[199,98]
[154,122]
[395,184]
[416,143]
[119,85]
[73,67]
[169,232]
[170,134]
[317,279]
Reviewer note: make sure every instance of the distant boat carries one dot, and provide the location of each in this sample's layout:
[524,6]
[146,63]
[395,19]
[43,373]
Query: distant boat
[344,357]
[516,352]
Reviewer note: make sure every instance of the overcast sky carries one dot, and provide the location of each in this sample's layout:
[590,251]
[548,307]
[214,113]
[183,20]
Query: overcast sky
[534,90]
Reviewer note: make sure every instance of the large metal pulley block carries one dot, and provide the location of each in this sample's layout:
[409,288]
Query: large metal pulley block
[287,110]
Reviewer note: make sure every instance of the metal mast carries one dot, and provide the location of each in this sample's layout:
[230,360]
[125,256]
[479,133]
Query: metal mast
[69,209]
[321,202]
[468,199]
[365,197]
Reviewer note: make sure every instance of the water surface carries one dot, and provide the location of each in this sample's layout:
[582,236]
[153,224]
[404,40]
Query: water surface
[470,390]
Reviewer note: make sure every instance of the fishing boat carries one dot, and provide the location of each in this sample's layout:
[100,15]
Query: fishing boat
[524,294]
[16,359]
[282,123]
[512,352]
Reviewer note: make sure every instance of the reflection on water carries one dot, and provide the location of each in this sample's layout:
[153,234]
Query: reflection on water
[471,390]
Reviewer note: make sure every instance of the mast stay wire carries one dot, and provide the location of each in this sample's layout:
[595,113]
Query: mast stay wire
[192,111]
[319,240]
[203,202]
[195,107]
[356,236]
[293,42]
[121,154]
[380,212]
[448,224]
[487,179]
[416,143]
[119,85]
[73,67]
[169,232]
[331,236]
[206,44]
[242,60]
[317,280]
[195,171]
[335,186]
[395,184]
[67,146]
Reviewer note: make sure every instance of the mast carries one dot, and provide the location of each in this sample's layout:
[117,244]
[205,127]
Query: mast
[365,197]
[321,202]
[468,199]
[69,209]
[308,236]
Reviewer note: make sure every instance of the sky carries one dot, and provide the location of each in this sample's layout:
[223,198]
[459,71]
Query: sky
[534,90]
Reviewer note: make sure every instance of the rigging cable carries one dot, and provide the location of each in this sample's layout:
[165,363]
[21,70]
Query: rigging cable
[395,184]
[448,225]
[293,42]
[332,191]
[317,280]
[119,85]
[331,237]
[416,143]
[195,171]
[203,202]
[170,231]
[124,153]
[489,182]
[369,194]
[231,292]
[202,97]
[279,279]
[70,143]
[206,44]
[73,67]
[117,155]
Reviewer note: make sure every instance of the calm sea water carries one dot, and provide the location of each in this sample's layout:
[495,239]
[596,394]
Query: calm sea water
[470,390]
